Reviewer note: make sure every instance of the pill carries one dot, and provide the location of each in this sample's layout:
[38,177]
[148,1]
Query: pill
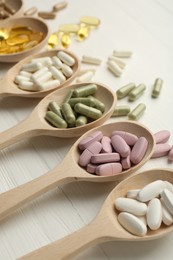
[89,101]
[157,87]
[85,157]
[85,142]
[121,111]
[68,96]
[120,145]
[106,144]
[136,92]
[162,136]
[85,90]
[9,8]
[122,54]
[90,20]
[55,120]
[167,197]
[126,164]
[128,137]
[25,73]
[67,59]
[20,78]
[132,206]
[28,85]
[108,169]
[137,112]
[81,120]
[46,61]
[154,214]
[32,67]
[105,158]
[120,62]
[53,106]
[65,40]
[47,15]
[43,78]
[91,168]
[169,186]
[57,62]
[83,32]
[161,150]
[68,113]
[31,11]
[167,217]
[67,71]
[39,73]
[125,90]
[86,77]
[114,68]
[98,104]
[57,74]
[151,191]
[69,28]
[49,84]
[132,193]
[91,60]
[170,154]
[132,224]
[90,112]
[139,150]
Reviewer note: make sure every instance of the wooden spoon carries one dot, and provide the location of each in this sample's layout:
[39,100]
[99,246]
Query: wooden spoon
[69,170]
[9,88]
[105,227]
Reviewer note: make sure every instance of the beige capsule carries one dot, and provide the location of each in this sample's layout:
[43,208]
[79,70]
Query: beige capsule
[69,28]
[31,11]
[90,20]
[60,6]
[47,15]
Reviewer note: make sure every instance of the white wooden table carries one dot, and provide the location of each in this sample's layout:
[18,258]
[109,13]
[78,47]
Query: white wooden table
[146,28]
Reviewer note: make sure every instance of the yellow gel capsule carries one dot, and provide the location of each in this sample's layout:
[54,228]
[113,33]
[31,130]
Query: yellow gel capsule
[69,28]
[4,34]
[17,40]
[65,40]
[53,40]
[83,33]
[90,20]
[29,45]
[36,36]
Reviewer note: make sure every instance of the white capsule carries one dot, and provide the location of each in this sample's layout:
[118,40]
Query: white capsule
[67,59]
[49,84]
[132,224]
[167,197]
[20,78]
[67,71]
[25,74]
[120,62]
[132,193]
[46,61]
[57,62]
[32,67]
[86,77]
[169,186]
[154,214]
[57,74]
[45,77]
[114,68]
[122,54]
[132,206]
[167,217]
[28,85]
[91,60]
[151,191]
[81,72]
[39,73]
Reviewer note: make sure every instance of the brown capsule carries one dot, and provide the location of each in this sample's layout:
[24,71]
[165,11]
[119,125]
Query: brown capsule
[31,11]
[47,15]
[59,6]
[9,8]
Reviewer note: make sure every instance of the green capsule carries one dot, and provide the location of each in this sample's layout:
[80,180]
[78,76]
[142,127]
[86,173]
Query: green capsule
[157,87]
[81,120]
[55,120]
[98,104]
[89,101]
[137,112]
[53,106]
[88,111]
[136,92]
[125,90]
[68,113]
[85,90]
[68,96]
[121,111]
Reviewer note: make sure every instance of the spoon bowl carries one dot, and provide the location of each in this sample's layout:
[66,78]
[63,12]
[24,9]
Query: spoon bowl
[105,227]
[9,88]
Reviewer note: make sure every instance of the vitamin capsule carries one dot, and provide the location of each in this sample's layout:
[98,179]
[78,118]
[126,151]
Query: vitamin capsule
[126,164]
[39,73]
[20,78]
[57,62]
[85,157]
[151,191]
[47,15]
[25,74]
[29,45]
[132,193]
[128,137]
[132,224]
[46,61]
[106,144]
[136,92]
[86,77]
[162,136]
[122,54]
[91,168]
[139,149]
[121,111]
[157,87]
[40,80]
[68,96]
[85,90]
[32,67]
[170,154]
[91,60]
[9,8]
[120,145]
[81,120]
[120,62]
[53,40]
[167,197]
[81,72]
[67,59]
[84,143]
[68,113]
[98,104]
[58,7]
[154,214]
[31,11]
[108,169]
[90,112]
[83,33]
[125,90]
[67,71]
[53,106]
[105,158]
[88,101]
[55,120]
[161,150]
[137,112]
[28,85]
[169,186]
[90,20]
[167,217]
[65,40]
[49,84]
[57,74]
[114,68]
[69,28]
[132,206]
